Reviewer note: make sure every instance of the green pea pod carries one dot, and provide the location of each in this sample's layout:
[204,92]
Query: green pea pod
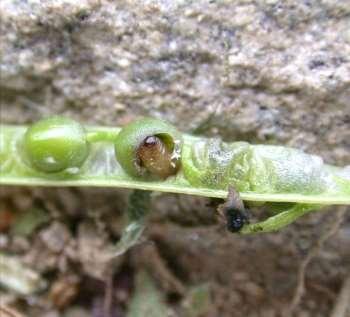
[206,167]
[144,154]
[5,152]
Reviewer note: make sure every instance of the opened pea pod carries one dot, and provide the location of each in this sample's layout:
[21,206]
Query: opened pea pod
[151,154]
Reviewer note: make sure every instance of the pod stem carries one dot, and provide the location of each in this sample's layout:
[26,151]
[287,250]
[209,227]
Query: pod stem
[277,222]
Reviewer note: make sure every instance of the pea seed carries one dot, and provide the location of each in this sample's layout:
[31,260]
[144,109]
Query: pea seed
[55,144]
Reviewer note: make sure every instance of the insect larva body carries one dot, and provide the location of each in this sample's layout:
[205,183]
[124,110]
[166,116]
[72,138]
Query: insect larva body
[149,149]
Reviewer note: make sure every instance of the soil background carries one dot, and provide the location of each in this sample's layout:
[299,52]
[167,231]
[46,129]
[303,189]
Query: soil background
[274,72]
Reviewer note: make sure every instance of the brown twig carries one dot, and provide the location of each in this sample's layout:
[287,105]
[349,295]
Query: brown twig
[342,304]
[8,312]
[109,290]
[300,289]
[331,295]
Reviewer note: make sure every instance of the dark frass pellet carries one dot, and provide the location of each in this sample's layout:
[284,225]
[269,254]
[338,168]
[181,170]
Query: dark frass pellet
[235,219]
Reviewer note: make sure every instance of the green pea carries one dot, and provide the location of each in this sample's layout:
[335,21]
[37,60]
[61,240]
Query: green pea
[149,148]
[55,144]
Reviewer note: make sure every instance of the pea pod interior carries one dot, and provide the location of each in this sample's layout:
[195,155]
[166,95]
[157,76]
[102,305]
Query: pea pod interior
[260,173]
